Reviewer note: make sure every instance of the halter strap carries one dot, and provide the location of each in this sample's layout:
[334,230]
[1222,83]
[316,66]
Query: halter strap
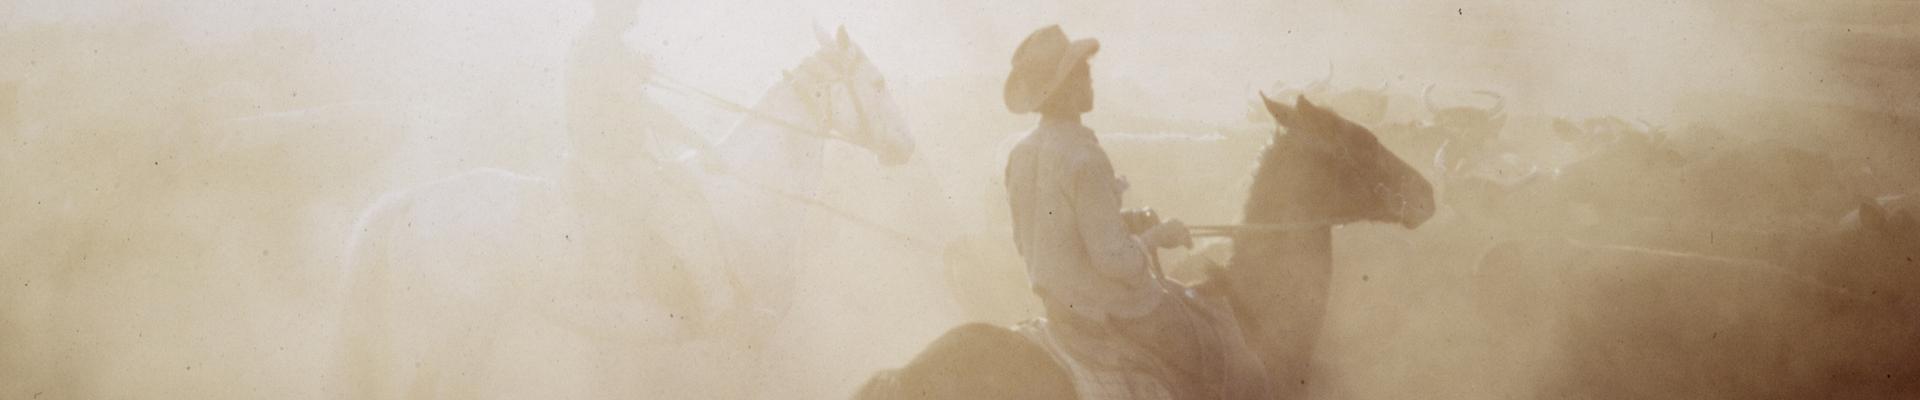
[674,85]
[822,125]
[840,76]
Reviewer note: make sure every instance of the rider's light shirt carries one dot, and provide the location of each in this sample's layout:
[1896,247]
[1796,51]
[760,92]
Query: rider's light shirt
[1066,218]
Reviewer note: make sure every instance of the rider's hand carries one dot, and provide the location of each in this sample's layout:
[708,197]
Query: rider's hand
[1169,234]
[1139,220]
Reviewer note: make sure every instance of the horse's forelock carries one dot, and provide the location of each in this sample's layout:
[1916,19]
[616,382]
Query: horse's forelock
[831,64]
[839,59]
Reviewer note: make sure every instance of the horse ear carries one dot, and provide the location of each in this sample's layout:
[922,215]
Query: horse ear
[1307,111]
[840,36]
[1281,113]
[1302,103]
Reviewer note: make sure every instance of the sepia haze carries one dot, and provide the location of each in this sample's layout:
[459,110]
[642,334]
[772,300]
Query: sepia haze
[188,190]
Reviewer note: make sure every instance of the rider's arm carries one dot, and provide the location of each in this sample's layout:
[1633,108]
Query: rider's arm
[1096,205]
[1018,181]
[668,127]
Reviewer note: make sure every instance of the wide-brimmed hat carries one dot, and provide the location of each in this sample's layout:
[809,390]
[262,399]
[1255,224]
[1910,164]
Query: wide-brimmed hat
[1040,64]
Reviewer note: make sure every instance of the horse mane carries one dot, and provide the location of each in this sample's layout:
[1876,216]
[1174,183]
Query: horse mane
[1323,168]
[1263,185]
[828,59]
[1271,191]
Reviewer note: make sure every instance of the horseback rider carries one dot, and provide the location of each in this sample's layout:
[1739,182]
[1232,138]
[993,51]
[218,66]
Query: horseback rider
[645,204]
[1091,272]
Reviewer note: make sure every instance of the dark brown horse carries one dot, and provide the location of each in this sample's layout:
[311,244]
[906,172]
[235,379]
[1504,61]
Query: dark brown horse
[1320,171]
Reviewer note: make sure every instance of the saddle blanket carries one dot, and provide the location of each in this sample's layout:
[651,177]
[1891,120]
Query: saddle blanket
[1103,367]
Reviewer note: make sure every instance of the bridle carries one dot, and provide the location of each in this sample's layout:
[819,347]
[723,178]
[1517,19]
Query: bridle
[1312,143]
[841,75]
[835,75]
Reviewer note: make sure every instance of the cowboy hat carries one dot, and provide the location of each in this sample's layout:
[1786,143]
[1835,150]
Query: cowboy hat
[1040,64]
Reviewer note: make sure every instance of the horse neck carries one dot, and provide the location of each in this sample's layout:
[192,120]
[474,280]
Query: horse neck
[1283,193]
[1308,249]
[766,143]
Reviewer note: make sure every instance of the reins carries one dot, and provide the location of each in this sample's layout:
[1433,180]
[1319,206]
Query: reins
[843,214]
[672,84]
[1230,231]
[675,85]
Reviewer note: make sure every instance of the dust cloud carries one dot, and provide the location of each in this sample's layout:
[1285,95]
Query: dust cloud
[229,199]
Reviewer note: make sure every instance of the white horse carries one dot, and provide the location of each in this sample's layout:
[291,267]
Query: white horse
[436,273]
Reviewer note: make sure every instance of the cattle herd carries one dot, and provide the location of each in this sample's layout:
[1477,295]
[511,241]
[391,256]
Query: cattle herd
[1587,256]
[1615,258]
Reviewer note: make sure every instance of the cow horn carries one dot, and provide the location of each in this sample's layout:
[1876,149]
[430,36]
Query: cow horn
[1325,84]
[1654,133]
[1499,102]
[1426,96]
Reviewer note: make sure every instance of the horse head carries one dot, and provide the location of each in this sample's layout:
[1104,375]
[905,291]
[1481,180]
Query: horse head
[850,99]
[1323,166]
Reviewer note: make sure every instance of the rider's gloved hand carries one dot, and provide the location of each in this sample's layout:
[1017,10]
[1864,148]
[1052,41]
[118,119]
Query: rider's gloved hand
[1169,234]
[1139,220]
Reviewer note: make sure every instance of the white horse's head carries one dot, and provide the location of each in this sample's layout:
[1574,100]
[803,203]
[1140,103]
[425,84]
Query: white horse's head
[850,96]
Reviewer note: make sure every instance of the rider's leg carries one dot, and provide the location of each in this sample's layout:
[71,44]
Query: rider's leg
[1173,334]
[1245,375]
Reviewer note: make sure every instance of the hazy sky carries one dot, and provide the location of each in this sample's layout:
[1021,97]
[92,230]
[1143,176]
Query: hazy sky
[1199,59]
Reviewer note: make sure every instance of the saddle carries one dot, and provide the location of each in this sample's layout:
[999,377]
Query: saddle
[1105,365]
